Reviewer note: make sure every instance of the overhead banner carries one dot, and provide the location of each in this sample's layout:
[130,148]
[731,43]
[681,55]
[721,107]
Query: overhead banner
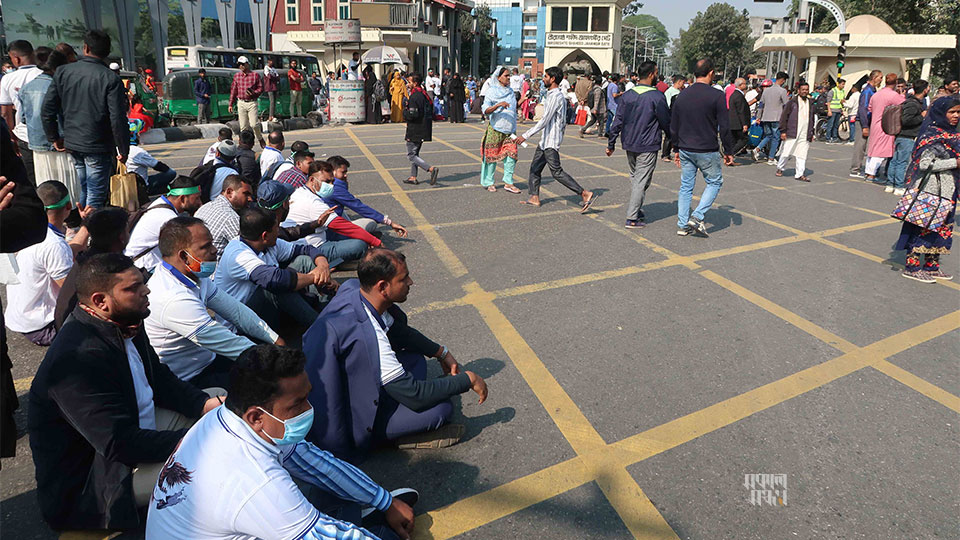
[341,31]
[577,40]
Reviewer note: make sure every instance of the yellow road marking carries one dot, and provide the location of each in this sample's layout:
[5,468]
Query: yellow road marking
[444,252]
[22,385]
[496,219]
[926,388]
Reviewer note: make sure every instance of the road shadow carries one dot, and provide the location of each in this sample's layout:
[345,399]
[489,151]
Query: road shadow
[721,217]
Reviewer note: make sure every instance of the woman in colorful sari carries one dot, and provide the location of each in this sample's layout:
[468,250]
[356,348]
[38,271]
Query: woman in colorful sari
[500,106]
[398,92]
[937,149]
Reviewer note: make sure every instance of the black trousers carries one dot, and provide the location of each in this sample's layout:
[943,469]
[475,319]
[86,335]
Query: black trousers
[740,140]
[667,146]
[26,155]
[549,156]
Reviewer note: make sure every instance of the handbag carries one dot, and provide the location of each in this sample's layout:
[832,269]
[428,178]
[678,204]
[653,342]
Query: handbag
[922,208]
[755,132]
[123,189]
[581,116]
[385,107]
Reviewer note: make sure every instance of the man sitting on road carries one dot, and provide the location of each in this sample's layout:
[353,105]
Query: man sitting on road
[342,198]
[296,176]
[43,268]
[246,161]
[187,339]
[253,446]
[223,134]
[369,370]
[272,152]
[222,214]
[307,205]
[225,164]
[140,161]
[143,247]
[267,274]
[104,413]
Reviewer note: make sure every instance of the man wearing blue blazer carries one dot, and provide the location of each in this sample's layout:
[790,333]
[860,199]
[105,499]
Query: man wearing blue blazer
[368,368]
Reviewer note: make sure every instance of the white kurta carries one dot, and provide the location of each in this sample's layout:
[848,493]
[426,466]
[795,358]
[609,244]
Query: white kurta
[798,147]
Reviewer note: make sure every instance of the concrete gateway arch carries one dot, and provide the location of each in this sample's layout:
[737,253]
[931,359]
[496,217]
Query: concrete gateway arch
[579,62]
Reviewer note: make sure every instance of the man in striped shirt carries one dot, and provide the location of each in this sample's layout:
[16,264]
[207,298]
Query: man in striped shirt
[232,475]
[553,123]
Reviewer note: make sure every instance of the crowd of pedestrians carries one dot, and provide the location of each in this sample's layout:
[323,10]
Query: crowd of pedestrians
[202,340]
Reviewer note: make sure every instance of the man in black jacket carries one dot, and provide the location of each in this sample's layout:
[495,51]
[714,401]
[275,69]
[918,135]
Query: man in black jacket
[104,412]
[739,116]
[419,118]
[911,117]
[93,104]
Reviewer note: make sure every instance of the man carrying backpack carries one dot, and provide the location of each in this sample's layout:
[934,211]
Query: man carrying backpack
[880,146]
[911,117]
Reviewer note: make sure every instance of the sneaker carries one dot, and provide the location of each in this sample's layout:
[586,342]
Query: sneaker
[850,143]
[756,154]
[856,174]
[446,435]
[772,162]
[696,226]
[634,224]
[684,231]
[407,495]
[918,275]
[938,274]
[888,189]
[899,191]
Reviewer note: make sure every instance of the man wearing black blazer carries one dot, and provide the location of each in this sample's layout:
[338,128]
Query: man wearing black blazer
[739,116]
[104,413]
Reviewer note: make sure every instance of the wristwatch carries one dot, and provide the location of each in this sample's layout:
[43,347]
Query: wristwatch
[443,353]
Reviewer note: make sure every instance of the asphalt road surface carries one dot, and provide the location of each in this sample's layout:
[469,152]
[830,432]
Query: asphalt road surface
[639,381]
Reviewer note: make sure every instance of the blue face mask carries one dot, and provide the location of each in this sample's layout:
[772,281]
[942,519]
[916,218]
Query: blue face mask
[207,268]
[294,429]
[325,190]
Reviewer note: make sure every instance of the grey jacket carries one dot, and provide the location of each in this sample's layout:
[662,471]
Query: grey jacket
[771,102]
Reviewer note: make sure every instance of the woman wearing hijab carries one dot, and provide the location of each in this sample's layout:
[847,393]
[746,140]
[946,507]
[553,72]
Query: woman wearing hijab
[937,149]
[398,93]
[374,111]
[456,93]
[500,106]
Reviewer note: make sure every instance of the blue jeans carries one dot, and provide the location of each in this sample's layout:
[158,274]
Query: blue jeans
[93,173]
[833,125]
[710,164]
[897,168]
[771,136]
[394,420]
[853,131]
[341,251]
[610,116]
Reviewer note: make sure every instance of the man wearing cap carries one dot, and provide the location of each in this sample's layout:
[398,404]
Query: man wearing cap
[144,244]
[244,91]
[43,267]
[296,176]
[224,162]
[275,197]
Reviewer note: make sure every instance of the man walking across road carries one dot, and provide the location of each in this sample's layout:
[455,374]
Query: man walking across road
[642,115]
[699,113]
[244,91]
[613,99]
[912,113]
[863,123]
[201,91]
[797,128]
[771,107]
[553,123]
[880,146]
[739,116]
[678,83]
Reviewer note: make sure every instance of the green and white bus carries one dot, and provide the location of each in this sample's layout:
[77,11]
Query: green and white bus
[196,56]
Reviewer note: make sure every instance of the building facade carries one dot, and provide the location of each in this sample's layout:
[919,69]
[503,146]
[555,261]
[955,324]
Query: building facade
[583,36]
[427,31]
[521,29]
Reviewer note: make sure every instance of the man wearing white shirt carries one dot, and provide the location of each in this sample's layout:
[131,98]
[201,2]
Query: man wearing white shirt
[139,161]
[144,244]
[255,445]
[432,83]
[267,274]
[187,339]
[224,134]
[516,83]
[23,58]
[353,73]
[225,165]
[272,152]
[42,269]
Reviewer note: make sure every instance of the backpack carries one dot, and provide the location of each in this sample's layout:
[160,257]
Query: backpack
[135,218]
[204,175]
[412,112]
[891,121]
[821,104]
[271,170]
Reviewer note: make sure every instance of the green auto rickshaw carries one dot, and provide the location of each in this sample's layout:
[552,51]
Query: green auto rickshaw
[180,105]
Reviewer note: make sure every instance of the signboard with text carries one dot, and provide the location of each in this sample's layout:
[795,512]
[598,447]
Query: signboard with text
[346,101]
[341,31]
[583,40]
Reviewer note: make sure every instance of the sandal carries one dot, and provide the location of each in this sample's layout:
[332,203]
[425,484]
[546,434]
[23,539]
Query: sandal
[779,172]
[511,189]
[588,203]
[491,189]
[413,181]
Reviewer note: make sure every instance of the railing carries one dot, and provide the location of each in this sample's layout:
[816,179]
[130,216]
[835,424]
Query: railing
[385,14]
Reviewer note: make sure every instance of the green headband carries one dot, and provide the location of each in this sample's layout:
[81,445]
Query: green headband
[63,202]
[274,207]
[175,192]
